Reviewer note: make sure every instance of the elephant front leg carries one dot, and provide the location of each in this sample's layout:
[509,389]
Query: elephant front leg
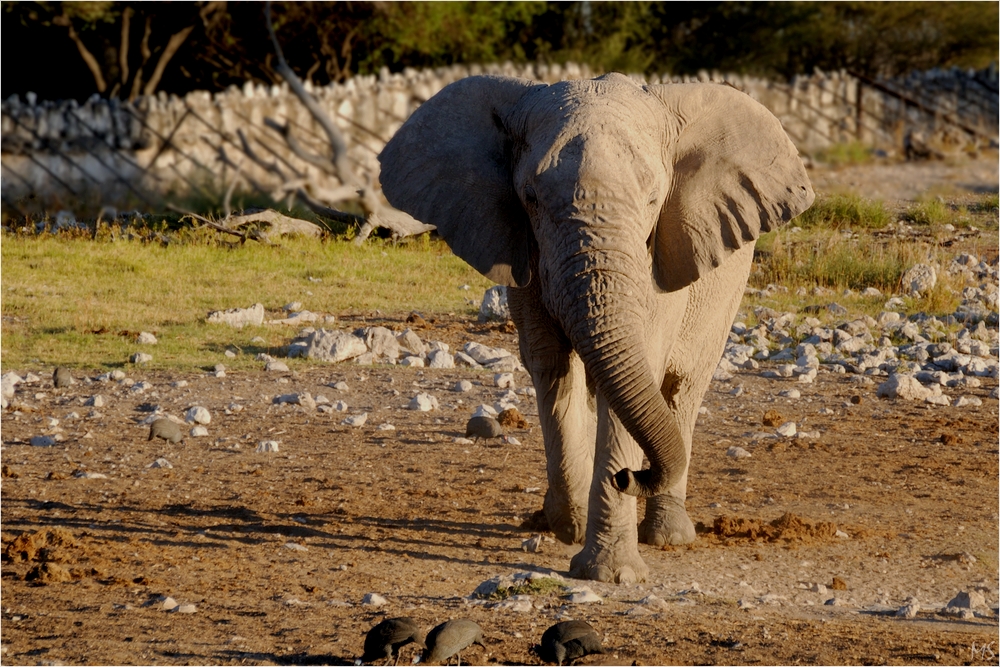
[611,552]
[666,520]
[566,412]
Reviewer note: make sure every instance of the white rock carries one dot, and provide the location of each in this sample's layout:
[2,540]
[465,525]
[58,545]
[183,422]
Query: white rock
[179,384]
[462,359]
[584,596]
[494,305]
[265,446]
[943,401]
[238,317]
[385,427]
[790,393]
[423,402]
[87,474]
[920,278]
[440,359]
[968,600]
[169,604]
[295,546]
[140,358]
[412,362]
[356,420]
[903,386]
[229,354]
[42,441]
[484,354]
[909,610]
[411,342]
[963,401]
[788,429]
[485,411]
[819,588]
[292,307]
[504,380]
[185,609]
[735,452]
[517,603]
[462,386]
[277,366]
[333,346]
[340,406]
[199,432]
[374,600]
[511,440]
[197,415]
[160,463]
[146,338]
[382,343]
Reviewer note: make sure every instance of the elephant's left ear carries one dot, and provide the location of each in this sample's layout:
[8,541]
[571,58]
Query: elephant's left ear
[735,175]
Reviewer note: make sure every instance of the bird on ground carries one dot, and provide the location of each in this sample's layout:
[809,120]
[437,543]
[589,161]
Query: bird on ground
[569,640]
[385,639]
[61,378]
[165,429]
[483,427]
[450,638]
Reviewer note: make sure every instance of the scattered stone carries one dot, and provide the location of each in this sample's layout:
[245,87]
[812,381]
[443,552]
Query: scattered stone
[411,343]
[199,432]
[169,604]
[968,600]
[385,427]
[462,386]
[238,317]
[295,546]
[919,279]
[96,401]
[374,600]
[230,354]
[185,609]
[735,452]
[790,393]
[440,359]
[943,401]
[42,441]
[141,358]
[910,609]
[787,430]
[382,344]
[423,402]
[88,474]
[266,446]
[412,362]
[146,338]
[197,415]
[964,401]
[160,463]
[277,366]
[504,380]
[494,305]
[903,386]
[332,346]
[356,420]
[583,595]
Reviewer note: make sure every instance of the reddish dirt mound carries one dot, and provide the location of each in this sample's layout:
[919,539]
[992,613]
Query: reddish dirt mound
[511,418]
[40,546]
[787,527]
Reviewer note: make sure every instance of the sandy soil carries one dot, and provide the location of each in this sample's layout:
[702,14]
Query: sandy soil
[276,550]
[415,517]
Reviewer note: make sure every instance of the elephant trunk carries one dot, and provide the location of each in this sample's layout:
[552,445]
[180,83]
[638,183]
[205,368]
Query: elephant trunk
[608,334]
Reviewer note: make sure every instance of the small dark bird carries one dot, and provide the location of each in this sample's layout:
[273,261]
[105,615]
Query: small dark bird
[450,638]
[569,640]
[166,429]
[386,638]
[61,378]
[483,427]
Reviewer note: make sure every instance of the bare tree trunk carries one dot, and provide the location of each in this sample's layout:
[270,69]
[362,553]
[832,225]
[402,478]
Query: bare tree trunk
[168,52]
[85,53]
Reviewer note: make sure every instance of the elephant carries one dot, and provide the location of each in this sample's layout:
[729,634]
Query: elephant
[622,218]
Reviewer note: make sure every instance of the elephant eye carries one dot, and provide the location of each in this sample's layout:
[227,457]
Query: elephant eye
[654,198]
[529,195]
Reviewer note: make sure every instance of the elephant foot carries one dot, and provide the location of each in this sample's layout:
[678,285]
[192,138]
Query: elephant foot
[619,565]
[666,522]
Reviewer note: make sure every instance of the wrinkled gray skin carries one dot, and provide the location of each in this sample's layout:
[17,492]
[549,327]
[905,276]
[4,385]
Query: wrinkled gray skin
[623,218]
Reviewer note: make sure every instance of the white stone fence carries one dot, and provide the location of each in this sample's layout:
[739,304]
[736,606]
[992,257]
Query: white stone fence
[106,153]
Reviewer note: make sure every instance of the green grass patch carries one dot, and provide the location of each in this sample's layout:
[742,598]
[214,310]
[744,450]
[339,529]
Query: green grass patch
[989,203]
[80,303]
[838,211]
[850,153]
[930,212]
[540,586]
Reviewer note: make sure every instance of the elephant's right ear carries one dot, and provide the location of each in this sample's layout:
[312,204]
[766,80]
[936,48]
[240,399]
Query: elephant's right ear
[449,166]
[736,175]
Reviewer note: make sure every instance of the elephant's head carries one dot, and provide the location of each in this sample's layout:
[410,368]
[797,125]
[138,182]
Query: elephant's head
[613,191]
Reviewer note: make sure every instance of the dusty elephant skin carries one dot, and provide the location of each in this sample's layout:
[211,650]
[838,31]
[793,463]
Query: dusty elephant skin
[624,219]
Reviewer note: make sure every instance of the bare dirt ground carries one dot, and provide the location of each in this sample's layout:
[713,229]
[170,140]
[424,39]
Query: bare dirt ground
[276,550]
